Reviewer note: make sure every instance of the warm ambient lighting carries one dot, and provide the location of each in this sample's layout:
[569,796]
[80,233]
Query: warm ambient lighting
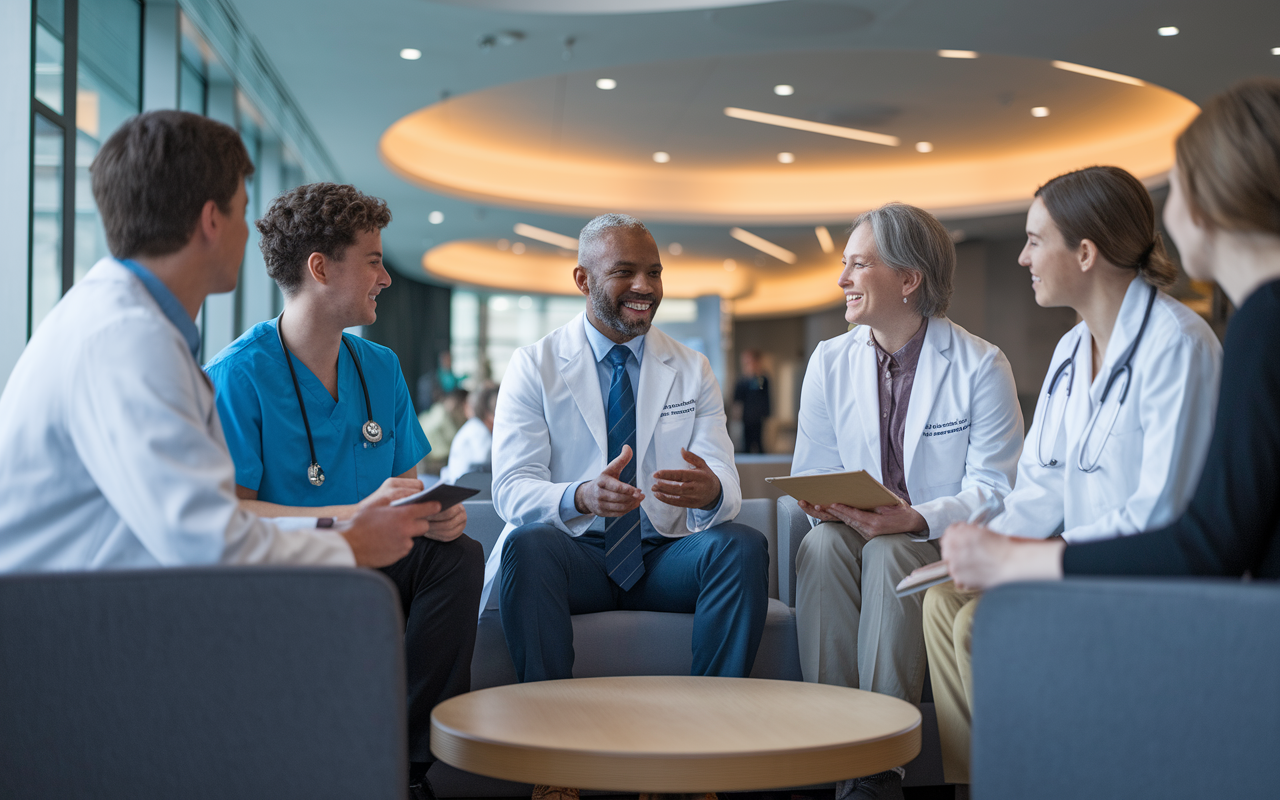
[675,248]
[924,147]
[517,248]
[957,54]
[786,158]
[411,54]
[1040,111]
[824,239]
[504,244]
[606,84]
[435,217]
[763,245]
[1097,73]
[812,127]
[543,235]
[784,90]
[661,157]
[1168,30]
[730,265]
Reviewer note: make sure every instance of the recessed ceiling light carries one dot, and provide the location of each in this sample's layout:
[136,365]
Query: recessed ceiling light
[517,248]
[675,248]
[504,244]
[730,265]
[1275,51]
[1167,30]
[763,245]
[924,147]
[1097,73]
[784,90]
[813,127]
[411,54]
[957,54]
[544,235]
[435,217]
[786,158]
[824,239]
[606,84]
[1040,111]
[662,157]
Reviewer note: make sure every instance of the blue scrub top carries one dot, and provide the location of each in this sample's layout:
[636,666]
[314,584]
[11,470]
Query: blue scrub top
[264,430]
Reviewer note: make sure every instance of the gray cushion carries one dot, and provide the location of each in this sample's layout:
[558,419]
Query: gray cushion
[202,683]
[793,524]
[1138,688]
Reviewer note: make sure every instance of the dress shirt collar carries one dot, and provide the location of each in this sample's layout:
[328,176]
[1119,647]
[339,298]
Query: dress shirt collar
[601,344]
[907,354]
[169,304]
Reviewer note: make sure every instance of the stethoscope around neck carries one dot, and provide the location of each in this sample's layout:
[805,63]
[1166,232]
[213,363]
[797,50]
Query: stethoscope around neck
[371,430]
[1085,461]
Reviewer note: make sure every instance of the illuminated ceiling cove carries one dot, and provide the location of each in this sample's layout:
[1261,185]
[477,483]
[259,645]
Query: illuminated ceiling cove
[561,145]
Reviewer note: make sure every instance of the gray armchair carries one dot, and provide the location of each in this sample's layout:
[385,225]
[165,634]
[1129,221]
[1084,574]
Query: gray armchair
[202,683]
[1127,689]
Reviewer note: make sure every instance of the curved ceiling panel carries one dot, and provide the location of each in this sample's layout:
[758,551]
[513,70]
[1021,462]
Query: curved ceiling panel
[560,144]
[597,6]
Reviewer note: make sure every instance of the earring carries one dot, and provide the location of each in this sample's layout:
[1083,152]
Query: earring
[904,300]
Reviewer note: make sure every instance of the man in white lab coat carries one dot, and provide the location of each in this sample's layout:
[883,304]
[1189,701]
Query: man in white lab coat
[113,453]
[614,471]
[925,407]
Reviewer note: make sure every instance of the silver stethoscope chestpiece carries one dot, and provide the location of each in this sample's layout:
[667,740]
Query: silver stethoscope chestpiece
[315,474]
[372,432]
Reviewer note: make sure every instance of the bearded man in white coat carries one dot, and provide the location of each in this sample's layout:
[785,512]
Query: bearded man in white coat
[925,407]
[613,468]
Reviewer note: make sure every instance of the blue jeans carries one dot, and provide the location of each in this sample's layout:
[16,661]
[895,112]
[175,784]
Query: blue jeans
[721,575]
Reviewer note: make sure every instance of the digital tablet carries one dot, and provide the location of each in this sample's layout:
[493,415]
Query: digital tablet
[446,494]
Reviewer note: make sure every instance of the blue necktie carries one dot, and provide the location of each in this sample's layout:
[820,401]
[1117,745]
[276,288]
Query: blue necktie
[622,556]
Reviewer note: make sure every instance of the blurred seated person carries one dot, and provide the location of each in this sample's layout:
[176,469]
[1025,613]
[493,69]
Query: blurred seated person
[472,448]
[751,402]
[446,379]
[441,424]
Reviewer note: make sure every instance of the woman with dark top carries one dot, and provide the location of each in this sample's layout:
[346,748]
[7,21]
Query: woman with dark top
[1223,213]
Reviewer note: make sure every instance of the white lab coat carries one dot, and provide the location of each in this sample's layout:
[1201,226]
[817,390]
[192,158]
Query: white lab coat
[1151,463]
[963,429]
[472,445]
[549,433]
[113,456]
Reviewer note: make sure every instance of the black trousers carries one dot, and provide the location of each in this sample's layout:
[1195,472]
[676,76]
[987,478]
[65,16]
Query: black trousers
[439,584]
[753,436]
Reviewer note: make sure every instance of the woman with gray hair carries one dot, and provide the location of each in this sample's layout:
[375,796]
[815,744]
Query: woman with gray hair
[925,407]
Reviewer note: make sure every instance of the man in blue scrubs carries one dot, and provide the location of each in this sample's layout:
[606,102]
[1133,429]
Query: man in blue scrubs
[320,423]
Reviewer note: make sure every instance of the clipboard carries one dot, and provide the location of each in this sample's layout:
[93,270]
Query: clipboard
[856,489]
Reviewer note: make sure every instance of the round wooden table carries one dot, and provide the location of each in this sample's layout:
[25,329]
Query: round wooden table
[674,734]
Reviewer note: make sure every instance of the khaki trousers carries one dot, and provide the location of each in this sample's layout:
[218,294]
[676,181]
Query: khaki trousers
[948,634]
[853,629]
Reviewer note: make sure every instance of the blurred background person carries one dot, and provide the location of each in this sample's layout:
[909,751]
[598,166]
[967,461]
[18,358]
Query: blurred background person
[441,423]
[472,449]
[751,401]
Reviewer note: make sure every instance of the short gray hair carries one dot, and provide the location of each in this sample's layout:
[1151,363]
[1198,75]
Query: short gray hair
[911,238]
[594,230]
[484,401]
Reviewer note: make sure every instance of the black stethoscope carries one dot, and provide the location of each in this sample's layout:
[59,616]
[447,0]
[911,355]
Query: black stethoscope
[372,431]
[1067,371]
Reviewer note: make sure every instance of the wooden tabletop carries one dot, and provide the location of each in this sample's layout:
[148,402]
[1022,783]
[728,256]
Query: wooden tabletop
[674,734]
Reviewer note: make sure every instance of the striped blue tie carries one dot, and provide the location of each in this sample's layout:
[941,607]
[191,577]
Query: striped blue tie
[622,556]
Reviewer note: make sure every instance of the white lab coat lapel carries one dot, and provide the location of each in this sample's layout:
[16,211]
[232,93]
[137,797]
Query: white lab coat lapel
[1127,323]
[866,393]
[656,377]
[931,370]
[578,366]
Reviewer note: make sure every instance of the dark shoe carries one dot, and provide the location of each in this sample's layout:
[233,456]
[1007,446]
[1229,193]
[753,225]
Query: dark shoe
[421,790]
[845,789]
[881,786]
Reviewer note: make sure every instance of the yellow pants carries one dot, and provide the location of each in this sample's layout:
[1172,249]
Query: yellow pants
[948,630]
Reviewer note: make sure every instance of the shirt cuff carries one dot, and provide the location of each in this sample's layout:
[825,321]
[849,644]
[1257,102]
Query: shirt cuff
[703,517]
[568,508]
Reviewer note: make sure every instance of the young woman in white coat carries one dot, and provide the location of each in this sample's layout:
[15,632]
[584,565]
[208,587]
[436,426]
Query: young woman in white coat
[926,408]
[1125,415]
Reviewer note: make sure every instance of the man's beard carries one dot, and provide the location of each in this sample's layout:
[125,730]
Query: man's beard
[610,313]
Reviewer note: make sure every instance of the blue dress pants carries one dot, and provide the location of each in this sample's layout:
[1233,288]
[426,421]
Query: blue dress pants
[721,575]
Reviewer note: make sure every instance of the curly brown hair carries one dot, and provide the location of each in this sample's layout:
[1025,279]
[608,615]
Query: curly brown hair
[315,218]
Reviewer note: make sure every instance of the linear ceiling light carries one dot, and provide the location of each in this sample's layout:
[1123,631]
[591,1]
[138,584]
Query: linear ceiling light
[824,239]
[957,54]
[812,127]
[1098,73]
[550,237]
[763,245]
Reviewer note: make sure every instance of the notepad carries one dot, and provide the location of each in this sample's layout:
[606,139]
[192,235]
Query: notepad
[855,489]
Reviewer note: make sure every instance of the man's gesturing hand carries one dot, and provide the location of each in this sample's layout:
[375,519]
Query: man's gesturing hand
[688,488]
[383,535]
[607,495]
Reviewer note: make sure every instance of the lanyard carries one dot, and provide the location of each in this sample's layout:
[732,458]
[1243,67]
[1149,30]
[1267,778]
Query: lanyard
[371,430]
